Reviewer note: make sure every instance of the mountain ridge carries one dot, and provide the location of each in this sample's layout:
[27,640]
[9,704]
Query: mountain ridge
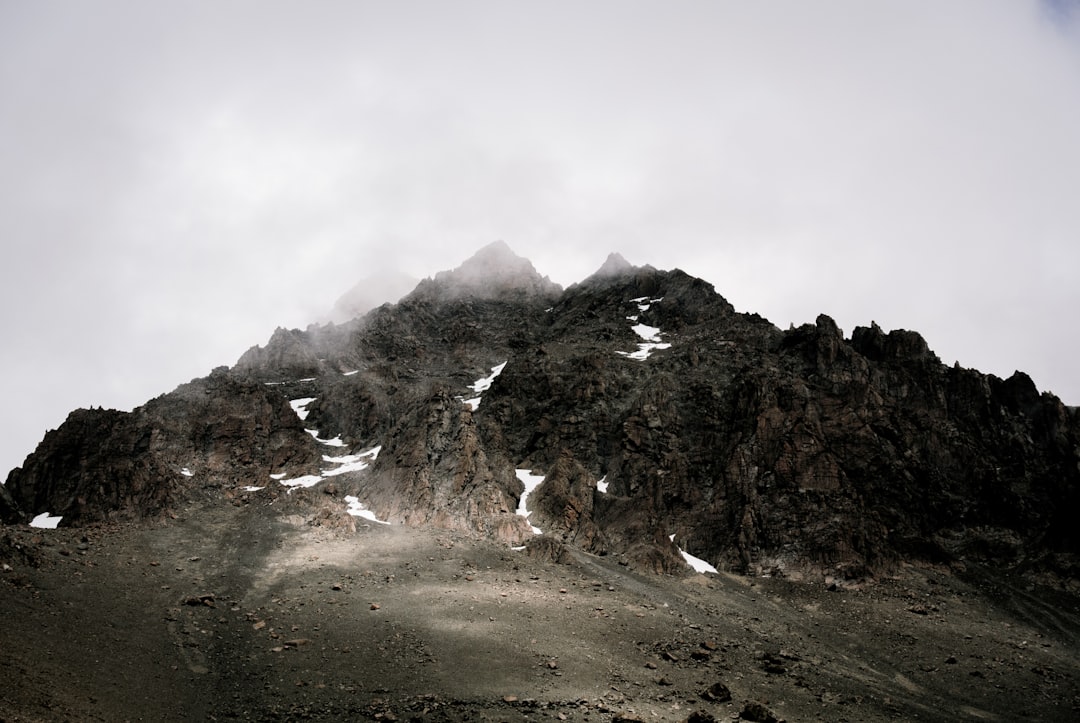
[798,453]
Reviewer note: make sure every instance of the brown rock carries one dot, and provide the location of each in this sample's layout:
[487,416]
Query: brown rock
[717,693]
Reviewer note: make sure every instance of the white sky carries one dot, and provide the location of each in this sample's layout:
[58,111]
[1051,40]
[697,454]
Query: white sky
[179,178]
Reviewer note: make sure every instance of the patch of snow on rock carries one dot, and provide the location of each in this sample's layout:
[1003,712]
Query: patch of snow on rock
[350,462]
[482,385]
[601,484]
[187,472]
[299,406]
[649,335]
[253,488]
[357,509]
[308,480]
[45,521]
[531,482]
[697,563]
[335,442]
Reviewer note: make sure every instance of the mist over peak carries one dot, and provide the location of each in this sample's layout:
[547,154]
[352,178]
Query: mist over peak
[614,265]
[370,292]
[493,271]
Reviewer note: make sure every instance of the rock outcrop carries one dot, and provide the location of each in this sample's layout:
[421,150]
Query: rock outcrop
[654,410]
[214,432]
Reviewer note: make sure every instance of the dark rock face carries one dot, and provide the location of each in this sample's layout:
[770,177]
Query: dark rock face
[797,452]
[107,464]
[433,470]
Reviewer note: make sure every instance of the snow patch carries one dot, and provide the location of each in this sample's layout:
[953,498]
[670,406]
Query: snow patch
[531,482]
[601,484]
[187,472]
[335,442]
[350,462]
[482,385]
[345,463]
[697,563]
[253,488]
[643,352]
[308,480]
[45,521]
[299,406]
[649,335]
[357,509]
[349,374]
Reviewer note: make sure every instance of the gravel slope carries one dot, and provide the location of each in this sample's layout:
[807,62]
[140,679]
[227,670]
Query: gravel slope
[296,611]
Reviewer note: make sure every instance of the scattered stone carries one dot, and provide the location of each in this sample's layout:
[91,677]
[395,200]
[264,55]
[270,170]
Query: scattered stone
[296,642]
[196,600]
[627,718]
[259,624]
[758,711]
[717,693]
[700,716]
[375,606]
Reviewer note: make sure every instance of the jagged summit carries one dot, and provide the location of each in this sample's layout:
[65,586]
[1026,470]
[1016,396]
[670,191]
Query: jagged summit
[615,265]
[493,271]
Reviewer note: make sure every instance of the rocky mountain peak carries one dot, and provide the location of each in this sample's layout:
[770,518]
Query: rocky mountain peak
[801,452]
[494,271]
[615,265]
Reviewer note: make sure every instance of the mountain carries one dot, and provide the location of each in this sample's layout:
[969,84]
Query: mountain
[883,537]
[662,422]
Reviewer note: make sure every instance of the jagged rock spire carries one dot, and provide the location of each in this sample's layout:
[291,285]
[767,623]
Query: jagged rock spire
[492,271]
[615,265]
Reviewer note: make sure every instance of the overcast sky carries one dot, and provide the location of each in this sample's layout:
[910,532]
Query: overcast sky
[179,178]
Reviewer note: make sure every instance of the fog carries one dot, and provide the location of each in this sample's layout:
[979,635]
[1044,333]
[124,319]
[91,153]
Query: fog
[177,180]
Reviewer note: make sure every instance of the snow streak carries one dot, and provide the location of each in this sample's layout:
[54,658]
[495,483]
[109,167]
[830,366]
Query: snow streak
[650,335]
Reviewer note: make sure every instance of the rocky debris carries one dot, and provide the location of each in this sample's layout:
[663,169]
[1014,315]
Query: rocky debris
[754,710]
[717,693]
[700,716]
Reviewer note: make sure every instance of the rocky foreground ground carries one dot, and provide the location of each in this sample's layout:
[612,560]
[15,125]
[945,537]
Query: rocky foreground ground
[295,611]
